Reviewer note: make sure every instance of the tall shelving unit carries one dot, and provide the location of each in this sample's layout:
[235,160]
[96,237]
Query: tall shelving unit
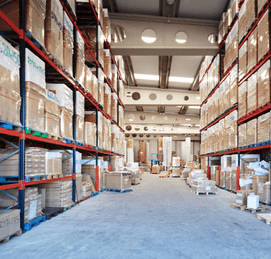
[60,75]
[257,147]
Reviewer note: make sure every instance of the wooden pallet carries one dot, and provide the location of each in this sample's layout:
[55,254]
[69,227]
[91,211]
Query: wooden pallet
[262,208]
[6,239]
[55,137]
[54,176]
[204,193]
[265,217]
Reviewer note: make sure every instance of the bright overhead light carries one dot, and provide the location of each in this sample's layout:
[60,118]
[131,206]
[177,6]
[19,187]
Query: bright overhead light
[148,39]
[180,41]
[186,125]
[193,107]
[198,97]
[197,125]
[171,78]
[188,119]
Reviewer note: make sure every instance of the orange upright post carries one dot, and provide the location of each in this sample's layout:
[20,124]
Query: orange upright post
[237,178]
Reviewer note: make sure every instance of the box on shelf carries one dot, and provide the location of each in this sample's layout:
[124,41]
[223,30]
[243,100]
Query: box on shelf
[10,223]
[252,132]
[10,99]
[114,106]
[107,99]
[90,116]
[242,99]
[91,83]
[264,84]
[121,117]
[79,129]
[52,114]
[243,52]
[242,20]
[90,133]
[264,35]
[251,12]
[241,196]
[68,44]
[54,29]
[106,25]
[53,163]
[263,190]
[233,78]
[252,47]
[107,63]
[114,77]
[78,184]
[256,179]
[35,15]
[264,127]
[252,93]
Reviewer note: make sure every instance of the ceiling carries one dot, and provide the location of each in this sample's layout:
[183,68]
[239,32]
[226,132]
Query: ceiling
[161,66]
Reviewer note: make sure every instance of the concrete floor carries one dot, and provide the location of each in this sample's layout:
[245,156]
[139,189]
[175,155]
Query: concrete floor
[161,218]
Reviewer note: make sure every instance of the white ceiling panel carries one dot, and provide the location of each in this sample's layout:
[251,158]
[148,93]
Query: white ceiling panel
[199,9]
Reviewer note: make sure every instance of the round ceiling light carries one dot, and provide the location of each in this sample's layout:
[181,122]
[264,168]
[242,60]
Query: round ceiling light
[212,38]
[181,37]
[148,36]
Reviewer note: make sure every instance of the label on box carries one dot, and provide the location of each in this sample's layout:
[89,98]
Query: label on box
[32,209]
[239,201]
[240,194]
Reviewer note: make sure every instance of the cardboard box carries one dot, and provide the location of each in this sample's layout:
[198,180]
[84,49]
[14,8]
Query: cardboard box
[242,99]
[252,93]
[243,52]
[118,180]
[264,127]
[241,197]
[251,12]
[242,21]
[80,59]
[107,99]
[252,132]
[264,84]
[9,222]
[256,179]
[54,29]
[35,14]
[155,169]
[66,123]
[252,49]
[264,35]
[79,129]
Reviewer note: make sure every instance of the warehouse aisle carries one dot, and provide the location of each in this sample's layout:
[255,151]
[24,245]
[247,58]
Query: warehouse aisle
[160,219]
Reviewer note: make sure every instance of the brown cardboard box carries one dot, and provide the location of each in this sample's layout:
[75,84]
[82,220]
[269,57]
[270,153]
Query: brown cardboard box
[264,127]
[80,59]
[66,125]
[90,133]
[241,197]
[142,151]
[223,179]
[252,132]
[252,49]
[114,106]
[35,14]
[79,129]
[243,60]
[107,99]
[9,222]
[252,93]
[52,123]
[242,22]
[107,63]
[251,12]
[118,180]
[264,84]
[160,148]
[54,29]
[155,169]
[256,179]
[242,99]
[242,130]
[263,36]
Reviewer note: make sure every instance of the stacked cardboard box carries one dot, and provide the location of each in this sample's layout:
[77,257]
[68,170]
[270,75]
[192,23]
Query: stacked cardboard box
[34,162]
[242,21]
[53,163]
[233,78]
[263,190]
[264,84]
[68,44]
[32,199]
[91,117]
[106,134]
[242,99]
[252,93]
[54,29]
[264,35]
[80,59]
[65,97]
[114,77]
[52,114]
[243,60]
[241,197]
[35,14]
[142,151]
[121,117]
[10,100]
[196,175]
[118,180]
[107,63]
[256,180]
[35,91]
[114,106]
[252,132]
[106,25]
[252,47]
[263,127]
[58,194]
[204,186]
[90,133]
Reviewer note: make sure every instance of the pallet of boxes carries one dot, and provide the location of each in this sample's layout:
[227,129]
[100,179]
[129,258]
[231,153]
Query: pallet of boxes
[118,181]
[200,184]
[136,174]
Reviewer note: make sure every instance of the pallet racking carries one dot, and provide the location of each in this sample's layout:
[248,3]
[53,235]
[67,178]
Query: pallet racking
[59,75]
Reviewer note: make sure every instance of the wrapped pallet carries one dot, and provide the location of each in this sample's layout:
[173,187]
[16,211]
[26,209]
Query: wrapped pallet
[35,15]
[264,35]
[196,175]
[86,189]
[35,91]
[252,132]
[90,133]
[90,116]
[252,93]
[52,114]
[256,180]
[65,97]
[54,29]
[68,44]
[204,186]
[106,136]
[233,87]
[114,106]
[32,199]
[264,84]
[13,226]
[80,59]
[114,77]
[223,179]
[10,99]
[264,192]
[91,83]
[121,117]
[58,194]
[251,7]
[130,151]
[242,99]
[117,163]
[242,131]
[53,162]
[118,180]
[107,99]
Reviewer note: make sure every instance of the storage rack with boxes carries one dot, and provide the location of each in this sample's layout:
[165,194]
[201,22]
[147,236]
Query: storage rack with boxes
[43,111]
[235,110]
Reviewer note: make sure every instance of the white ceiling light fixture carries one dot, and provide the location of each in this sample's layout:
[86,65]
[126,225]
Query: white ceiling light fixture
[197,125]
[181,37]
[193,107]
[198,97]
[171,78]
[188,119]
[185,125]
[148,36]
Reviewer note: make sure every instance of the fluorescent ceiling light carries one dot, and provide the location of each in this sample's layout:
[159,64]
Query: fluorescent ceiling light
[187,125]
[188,119]
[180,41]
[148,39]
[198,97]
[197,125]
[171,78]
[193,107]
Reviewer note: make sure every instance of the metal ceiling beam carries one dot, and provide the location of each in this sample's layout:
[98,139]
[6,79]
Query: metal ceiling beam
[129,71]
[183,110]
[152,118]
[166,28]
[139,108]
[164,70]
[141,96]
[195,85]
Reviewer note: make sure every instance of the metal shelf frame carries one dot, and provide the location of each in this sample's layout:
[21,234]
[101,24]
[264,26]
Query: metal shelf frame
[21,136]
